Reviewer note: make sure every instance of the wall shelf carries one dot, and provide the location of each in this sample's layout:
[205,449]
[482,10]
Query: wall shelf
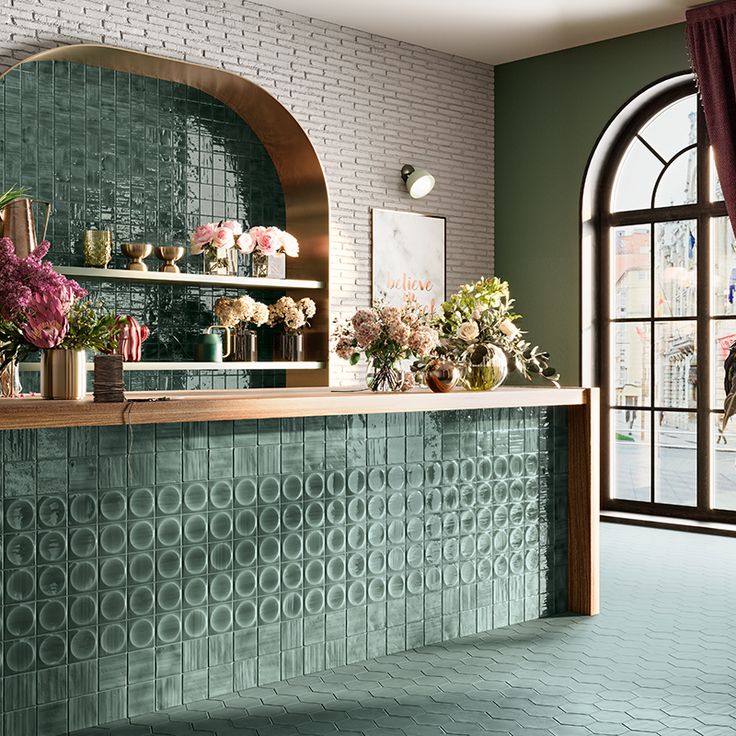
[198,279]
[270,365]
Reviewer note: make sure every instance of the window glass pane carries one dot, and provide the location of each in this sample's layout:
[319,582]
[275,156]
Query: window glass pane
[724,464]
[723,266]
[716,193]
[675,279]
[674,128]
[675,364]
[675,460]
[632,345]
[631,468]
[635,178]
[679,183]
[631,271]
[724,335]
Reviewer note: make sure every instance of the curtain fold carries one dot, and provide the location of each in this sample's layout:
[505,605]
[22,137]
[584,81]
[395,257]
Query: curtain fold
[711,33]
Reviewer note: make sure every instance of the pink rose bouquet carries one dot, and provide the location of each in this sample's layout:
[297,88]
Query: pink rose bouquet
[271,241]
[216,239]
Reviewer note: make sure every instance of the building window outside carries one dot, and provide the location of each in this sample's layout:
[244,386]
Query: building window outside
[668,301]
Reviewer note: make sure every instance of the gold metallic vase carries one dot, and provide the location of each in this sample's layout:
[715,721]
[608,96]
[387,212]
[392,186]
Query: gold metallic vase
[19,225]
[63,374]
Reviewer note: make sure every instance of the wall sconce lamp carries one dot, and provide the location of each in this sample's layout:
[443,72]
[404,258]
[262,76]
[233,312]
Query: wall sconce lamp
[419,182]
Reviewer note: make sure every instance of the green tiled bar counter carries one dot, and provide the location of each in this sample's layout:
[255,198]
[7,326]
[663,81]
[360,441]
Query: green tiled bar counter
[149,564]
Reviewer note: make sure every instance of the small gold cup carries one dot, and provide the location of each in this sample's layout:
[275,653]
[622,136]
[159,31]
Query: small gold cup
[97,248]
[169,254]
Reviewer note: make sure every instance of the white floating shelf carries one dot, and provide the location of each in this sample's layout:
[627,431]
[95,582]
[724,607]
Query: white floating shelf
[199,279]
[306,365]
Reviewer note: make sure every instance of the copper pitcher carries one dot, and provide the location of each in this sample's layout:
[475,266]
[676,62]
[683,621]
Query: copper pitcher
[18,224]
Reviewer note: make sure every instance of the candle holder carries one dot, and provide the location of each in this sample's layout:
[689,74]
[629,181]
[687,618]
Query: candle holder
[169,254]
[97,248]
[137,252]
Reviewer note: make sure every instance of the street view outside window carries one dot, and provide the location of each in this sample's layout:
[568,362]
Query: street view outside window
[653,316]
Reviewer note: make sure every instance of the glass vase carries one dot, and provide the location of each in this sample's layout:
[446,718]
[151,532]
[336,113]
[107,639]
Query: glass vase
[485,368]
[288,346]
[245,345]
[385,376]
[268,267]
[10,387]
[223,262]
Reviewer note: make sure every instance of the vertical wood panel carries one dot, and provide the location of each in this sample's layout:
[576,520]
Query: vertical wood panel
[584,505]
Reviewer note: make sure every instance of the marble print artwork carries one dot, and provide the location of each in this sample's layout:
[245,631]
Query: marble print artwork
[408,258]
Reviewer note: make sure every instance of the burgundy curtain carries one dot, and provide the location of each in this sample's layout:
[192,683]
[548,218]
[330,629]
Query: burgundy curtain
[711,32]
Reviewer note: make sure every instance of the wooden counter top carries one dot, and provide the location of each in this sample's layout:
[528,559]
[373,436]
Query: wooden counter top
[198,406]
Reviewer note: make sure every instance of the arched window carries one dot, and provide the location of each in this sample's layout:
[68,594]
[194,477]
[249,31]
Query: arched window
[666,305]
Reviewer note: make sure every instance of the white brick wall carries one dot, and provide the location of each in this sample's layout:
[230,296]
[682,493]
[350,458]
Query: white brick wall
[367,103]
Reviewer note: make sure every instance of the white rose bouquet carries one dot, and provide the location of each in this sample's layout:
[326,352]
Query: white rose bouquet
[481,315]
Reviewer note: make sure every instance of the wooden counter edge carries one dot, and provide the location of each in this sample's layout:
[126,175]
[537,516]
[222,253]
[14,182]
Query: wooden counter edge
[201,406]
[584,505]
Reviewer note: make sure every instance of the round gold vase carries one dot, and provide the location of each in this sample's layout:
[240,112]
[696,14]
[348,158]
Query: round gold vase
[442,375]
[486,367]
[63,374]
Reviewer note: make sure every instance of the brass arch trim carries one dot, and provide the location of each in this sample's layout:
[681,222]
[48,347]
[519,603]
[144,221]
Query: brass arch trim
[297,164]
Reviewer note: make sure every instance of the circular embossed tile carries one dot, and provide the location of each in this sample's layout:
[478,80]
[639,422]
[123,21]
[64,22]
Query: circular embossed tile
[51,581]
[140,601]
[19,515]
[221,525]
[292,607]
[221,494]
[140,633]
[169,628]
[112,605]
[269,550]
[141,535]
[140,568]
[195,497]
[195,592]
[52,616]
[112,539]
[195,623]
[52,510]
[376,479]
[336,569]
[20,620]
[269,490]
[292,517]
[112,572]
[376,590]
[396,477]
[269,579]
[83,644]
[292,488]
[314,543]
[245,584]
[269,610]
[20,549]
[195,529]
[415,476]
[83,509]
[82,576]
[291,576]
[195,560]
[112,506]
[356,481]
[169,596]
[52,650]
[292,546]
[396,531]
[83,542]
[356,593]
[245,614]
[245,492]
[396,586]
[314,485]
[500,466]
[269,519]
[335,540]
[168,563]
[112,639]
[83,610]
[335,597]
[169,500]
[141,503]
[414,582]
[314,572]
[245,522]
[19,656]
[356,536]
[221,556]
[314,601]
[336,483]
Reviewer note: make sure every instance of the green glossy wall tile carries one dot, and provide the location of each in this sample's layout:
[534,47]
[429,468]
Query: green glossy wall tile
[149,160]
[215,559]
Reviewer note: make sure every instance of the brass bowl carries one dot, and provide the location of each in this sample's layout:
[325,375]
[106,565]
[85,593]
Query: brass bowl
[169,254]
[136,252]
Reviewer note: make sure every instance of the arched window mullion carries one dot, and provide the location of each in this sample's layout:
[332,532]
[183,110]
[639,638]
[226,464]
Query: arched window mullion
[665,169]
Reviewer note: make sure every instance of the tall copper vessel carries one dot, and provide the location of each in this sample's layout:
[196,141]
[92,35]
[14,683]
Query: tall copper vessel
[19,225]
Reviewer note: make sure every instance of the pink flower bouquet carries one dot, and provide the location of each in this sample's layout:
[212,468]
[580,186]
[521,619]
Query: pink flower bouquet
[271,241]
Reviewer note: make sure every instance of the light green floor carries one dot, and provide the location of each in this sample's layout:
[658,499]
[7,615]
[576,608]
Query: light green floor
[660,659]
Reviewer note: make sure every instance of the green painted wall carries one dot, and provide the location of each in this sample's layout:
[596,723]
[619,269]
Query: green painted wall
[550,111]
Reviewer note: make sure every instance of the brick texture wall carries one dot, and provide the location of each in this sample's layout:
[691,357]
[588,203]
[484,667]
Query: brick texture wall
[367,103]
